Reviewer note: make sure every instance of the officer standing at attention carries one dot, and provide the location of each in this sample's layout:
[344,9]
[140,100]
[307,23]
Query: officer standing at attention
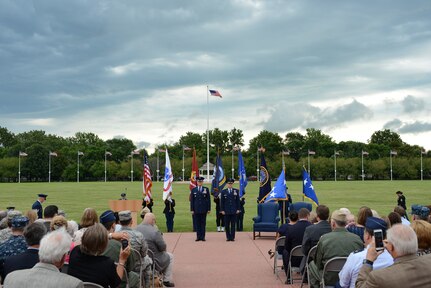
[230,207]
[200,206]
[38,204]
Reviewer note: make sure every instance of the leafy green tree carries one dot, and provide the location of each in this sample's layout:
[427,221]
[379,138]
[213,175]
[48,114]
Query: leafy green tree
[120,148]
[7,138]
[295,142]
[191,140]
[272,142]
[386,137]
[321,143]
[236,137]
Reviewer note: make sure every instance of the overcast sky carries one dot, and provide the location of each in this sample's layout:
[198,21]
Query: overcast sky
[139,69]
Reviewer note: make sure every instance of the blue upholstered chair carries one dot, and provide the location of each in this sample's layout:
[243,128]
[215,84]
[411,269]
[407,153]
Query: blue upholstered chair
[267,219]
[298,205]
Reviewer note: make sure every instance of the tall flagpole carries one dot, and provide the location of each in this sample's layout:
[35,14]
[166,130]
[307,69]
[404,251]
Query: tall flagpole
[208,137]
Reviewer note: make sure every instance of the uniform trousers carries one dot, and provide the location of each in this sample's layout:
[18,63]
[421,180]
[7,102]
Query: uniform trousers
[230,222]
[201,222]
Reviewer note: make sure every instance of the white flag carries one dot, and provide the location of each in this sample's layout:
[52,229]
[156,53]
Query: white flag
[169,178]
[23,154]
[53,154]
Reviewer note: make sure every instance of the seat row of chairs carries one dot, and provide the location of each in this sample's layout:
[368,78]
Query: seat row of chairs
[332,265]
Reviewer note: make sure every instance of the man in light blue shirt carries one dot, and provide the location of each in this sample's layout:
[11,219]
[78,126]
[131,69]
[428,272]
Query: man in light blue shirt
[350,271]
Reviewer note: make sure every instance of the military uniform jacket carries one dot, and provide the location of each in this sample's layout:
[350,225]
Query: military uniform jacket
[200,202]
[229,201]
[37,206]
[169,206]
[408,271]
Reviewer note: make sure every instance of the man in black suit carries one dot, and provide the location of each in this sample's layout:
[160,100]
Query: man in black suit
[33,233]
[200,206]
[313,233]
[230,208]
[295,234]
[38,204]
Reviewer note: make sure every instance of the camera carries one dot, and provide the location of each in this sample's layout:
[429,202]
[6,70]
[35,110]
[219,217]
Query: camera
[378,238]
[124,243]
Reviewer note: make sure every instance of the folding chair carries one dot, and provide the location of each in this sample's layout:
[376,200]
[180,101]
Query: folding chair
[277,256]
[138,261]
[91,285]
[310,257]
[295,252]
[333,265]
[154,267]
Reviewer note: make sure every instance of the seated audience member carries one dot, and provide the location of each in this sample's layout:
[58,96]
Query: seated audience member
[338,243]
[137,240]
[375,213]
[420,212]
[88,264]
[58,222]
[394,218]
[89,218]
[295,234]
[33,233]
[312,218]
[409,270]
[7,232]
[400,210]
[53,249]
[31,215]
[16,243]
[351,268]
[3,219]
[282,231]
[313,233]
[107,219]
[72,227]
[48,213]
[359,227]
[156,243]
[423,231]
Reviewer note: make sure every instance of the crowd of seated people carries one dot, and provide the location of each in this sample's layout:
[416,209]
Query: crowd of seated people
[333,240]
[74,254]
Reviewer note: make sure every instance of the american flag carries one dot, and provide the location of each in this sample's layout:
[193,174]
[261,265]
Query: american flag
[215,93]
[147,182]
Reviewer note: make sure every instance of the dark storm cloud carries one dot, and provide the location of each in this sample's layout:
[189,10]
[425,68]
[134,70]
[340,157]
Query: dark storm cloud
[408,128]
[413,104]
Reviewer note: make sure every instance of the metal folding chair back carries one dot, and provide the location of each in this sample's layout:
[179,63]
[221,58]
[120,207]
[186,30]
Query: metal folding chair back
[154,268]
[295,252]
[310,256]
[138,263]
[277,256]
[332,265]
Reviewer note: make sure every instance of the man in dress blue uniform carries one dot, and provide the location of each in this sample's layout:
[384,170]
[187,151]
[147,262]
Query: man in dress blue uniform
[38,204]
[350,271]
[230,207]
[200,206]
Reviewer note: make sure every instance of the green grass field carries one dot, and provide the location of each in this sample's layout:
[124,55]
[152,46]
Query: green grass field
[75,197]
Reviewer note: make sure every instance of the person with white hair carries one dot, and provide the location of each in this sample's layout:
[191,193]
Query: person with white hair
[408,270]
[52,252]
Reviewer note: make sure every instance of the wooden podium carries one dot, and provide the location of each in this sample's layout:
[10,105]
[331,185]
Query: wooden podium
[134,206]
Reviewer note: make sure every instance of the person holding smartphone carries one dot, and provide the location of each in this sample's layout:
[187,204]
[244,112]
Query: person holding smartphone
[373,227]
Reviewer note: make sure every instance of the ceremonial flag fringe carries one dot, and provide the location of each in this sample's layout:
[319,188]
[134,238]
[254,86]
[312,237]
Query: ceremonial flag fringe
[265,179]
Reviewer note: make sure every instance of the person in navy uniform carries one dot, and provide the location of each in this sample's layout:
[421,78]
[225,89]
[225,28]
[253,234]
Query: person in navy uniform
[230,207]
[38,205]
[169,212]
[219,216]
[200,206]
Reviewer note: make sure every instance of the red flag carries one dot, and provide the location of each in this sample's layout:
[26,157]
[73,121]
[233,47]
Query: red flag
[147,182]
[195,171]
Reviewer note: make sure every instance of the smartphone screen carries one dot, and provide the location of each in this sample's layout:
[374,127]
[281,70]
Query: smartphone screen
[124,243]
[378,237]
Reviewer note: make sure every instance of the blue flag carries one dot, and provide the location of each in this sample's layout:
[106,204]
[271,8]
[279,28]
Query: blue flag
[265,179]
[278,192]
[308,188]
[219,178]
[241,175]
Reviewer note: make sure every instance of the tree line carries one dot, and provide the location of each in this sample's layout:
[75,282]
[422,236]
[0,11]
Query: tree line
[295,148]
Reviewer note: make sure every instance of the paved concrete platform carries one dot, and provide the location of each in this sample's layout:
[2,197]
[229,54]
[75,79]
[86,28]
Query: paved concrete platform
[217,263]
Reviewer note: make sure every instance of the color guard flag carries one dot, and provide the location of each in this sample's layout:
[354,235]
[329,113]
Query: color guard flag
[278,192]
[308,188]
[146,179]
[219,178]
[241,174]
[215,93]
[80,153]
[53,154]
[265,179]
[195,171]
[108,153]
[311,152]
[22,154]
[169,178]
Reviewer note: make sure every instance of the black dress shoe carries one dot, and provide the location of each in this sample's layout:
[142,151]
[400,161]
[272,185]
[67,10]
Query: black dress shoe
[168,284]
[197,239]
[203,240]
